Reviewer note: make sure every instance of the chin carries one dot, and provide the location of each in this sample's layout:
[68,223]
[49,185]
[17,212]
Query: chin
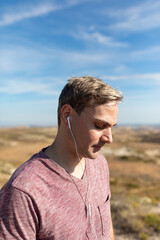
[93,155]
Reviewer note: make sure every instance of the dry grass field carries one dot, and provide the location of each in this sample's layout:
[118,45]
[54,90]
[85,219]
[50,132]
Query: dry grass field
[134,161]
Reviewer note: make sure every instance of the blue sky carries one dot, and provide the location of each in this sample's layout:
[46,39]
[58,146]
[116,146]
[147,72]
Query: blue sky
[45,42]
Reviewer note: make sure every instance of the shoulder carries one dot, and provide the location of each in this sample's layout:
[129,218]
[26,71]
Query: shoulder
[28,174]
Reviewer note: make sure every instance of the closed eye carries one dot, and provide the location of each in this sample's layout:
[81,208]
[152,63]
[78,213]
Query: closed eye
[100,127]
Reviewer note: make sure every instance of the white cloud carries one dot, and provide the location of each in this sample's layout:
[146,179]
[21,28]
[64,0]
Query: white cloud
[33,85]
[152,78]
[151,53]
[141,17]
[120,69]
[97,37]
[20,59]
[85,58]
[30,11]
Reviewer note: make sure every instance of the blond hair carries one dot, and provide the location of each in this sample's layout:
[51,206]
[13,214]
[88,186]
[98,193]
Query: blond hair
[81,92]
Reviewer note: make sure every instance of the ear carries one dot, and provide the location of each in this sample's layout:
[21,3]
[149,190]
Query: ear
[66,111]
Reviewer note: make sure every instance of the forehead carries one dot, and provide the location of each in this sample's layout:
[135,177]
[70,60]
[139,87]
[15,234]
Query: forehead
[105,112]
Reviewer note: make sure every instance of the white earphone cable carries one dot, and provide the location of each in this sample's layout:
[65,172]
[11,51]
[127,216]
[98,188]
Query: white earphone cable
[86,181]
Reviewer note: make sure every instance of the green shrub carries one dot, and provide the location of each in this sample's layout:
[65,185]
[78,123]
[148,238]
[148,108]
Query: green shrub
[132,185]
[153,220]
[143,236]
[136,225]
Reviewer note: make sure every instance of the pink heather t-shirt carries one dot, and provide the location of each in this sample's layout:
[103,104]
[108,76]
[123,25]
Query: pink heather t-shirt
[42,201]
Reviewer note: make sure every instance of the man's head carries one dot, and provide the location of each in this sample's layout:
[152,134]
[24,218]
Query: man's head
[81,92]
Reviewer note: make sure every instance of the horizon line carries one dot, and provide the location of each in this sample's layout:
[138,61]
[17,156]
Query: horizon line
[55,125]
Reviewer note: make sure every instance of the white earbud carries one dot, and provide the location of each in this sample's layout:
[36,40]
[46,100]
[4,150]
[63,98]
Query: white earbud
[69,123]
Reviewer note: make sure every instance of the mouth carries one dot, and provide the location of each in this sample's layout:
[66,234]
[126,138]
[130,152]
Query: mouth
[97,148]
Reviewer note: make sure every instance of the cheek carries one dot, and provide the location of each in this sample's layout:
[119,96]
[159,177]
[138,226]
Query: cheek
[93,136]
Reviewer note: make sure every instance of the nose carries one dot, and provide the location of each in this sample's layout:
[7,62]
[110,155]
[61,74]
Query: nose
[107,136]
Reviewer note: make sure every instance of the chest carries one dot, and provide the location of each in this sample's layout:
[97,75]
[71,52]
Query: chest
[64,209]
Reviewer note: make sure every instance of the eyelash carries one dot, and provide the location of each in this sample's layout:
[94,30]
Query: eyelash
[100,128]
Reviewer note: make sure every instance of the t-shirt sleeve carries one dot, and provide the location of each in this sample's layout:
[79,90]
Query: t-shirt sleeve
[18,215]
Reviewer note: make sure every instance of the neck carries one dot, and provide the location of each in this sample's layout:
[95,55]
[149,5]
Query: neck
[66,157]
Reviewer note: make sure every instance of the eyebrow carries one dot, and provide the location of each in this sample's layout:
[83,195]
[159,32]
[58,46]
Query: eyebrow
[105,122]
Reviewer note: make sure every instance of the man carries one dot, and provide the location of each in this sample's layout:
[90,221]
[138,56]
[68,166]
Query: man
[63,192]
